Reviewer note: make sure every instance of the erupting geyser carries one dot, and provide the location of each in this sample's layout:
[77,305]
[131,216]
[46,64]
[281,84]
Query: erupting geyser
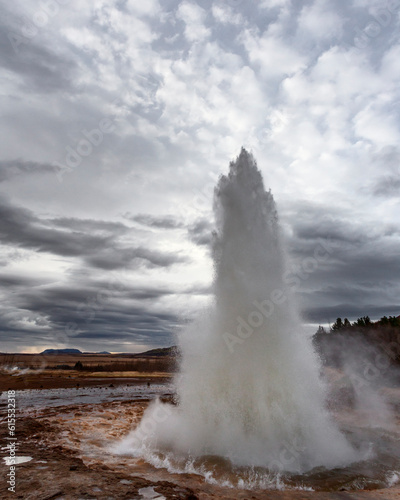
[249,388]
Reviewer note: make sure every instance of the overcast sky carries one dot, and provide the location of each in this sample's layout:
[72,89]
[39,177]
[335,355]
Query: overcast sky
[118,116]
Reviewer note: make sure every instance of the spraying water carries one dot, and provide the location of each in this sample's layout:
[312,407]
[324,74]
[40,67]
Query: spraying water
[249,387]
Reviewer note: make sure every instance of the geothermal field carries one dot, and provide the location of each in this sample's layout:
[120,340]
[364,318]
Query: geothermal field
[248,405]
[200,250]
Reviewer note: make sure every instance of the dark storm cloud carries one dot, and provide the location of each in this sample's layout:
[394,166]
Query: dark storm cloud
[92,240]
[23,228]
[146,294]
[359,272]
[90,225]
[15,281]
[315,222]
[350,284]
[22,53]
[130,323]
[13,168]
[112,258]
[162,222]
[366,266]
[387,186]
[387,163]
[73,296]
[106,310]
[82,309]
[200,232]
[340,234]
[331,229]
[340,230]
[324,314]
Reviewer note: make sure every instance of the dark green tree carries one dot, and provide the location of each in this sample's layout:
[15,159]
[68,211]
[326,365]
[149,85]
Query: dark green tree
[384,320]
[362,322]
[337,325]
[78,366]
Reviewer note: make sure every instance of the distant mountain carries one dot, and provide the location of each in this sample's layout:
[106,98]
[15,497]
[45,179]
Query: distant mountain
[161,351]
[61,351]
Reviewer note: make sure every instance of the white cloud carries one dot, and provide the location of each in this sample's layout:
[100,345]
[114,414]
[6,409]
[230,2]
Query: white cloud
[193,17]
[147,8]
[319,20]
[272,55]
[377,124]
[390,68]
[225,15]
[271,4]
[186,87]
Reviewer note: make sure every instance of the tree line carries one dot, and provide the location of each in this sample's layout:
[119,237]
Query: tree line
[363,322]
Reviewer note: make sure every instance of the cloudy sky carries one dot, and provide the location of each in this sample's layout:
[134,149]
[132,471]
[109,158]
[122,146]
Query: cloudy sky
[118,116]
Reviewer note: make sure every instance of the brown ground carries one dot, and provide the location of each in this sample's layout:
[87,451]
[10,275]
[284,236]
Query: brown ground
[54,379]
[57,472]
[115,369]
[50,360]
[70,459]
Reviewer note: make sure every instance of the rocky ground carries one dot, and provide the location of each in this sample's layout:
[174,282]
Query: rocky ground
[64,430]
[57,472]
[68,446]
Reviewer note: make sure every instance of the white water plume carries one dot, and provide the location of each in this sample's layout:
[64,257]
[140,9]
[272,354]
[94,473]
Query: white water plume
[249,388]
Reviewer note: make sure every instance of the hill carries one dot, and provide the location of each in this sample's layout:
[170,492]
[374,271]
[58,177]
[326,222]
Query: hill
[61,351]
[161,351]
